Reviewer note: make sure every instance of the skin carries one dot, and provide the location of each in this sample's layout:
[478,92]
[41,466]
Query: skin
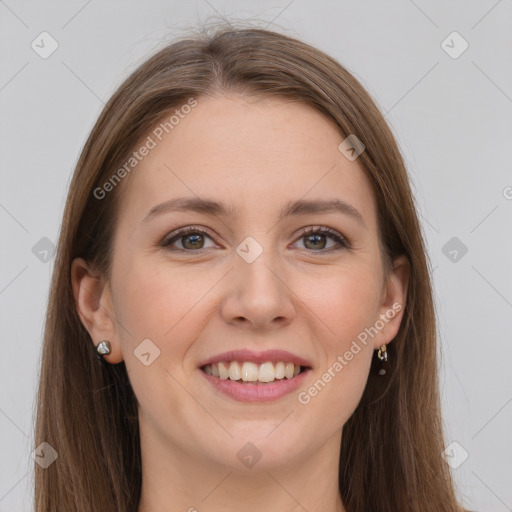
[294,296]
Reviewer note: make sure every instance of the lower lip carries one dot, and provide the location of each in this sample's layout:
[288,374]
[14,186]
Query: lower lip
[256,392]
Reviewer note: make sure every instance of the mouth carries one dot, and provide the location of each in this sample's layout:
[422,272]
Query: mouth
[255,377]
[248,372]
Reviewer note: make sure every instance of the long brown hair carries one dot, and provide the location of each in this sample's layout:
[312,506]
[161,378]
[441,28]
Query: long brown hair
[391,448]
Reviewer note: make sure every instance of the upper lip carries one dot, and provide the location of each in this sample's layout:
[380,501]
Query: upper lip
[257,357]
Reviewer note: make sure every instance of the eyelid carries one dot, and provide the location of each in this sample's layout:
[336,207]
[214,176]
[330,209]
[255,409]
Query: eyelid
[343,242]
[181,232]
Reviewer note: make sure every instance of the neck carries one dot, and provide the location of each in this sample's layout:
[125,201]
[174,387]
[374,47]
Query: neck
[175,480]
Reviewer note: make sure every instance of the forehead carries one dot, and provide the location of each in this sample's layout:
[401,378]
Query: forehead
[251,153]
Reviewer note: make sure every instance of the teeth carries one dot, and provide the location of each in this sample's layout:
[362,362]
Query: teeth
[223,370]
[234,372]
[249,372]
[280,370]
[252,372]
[267,372]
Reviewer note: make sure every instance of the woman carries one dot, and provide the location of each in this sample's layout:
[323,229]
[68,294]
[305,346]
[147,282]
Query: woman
[241,311]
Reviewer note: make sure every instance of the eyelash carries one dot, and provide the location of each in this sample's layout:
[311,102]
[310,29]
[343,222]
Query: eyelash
[182,232]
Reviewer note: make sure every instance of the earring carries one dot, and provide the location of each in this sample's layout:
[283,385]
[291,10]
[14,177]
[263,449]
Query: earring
[103,349]
[383,356]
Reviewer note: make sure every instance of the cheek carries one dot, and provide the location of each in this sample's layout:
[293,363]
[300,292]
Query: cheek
[335,394]
[168,305]
[154,301]
[157,305]
[347,304]
[346,301]
[346,359]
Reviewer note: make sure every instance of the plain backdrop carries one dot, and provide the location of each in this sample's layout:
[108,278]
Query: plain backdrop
[449,106]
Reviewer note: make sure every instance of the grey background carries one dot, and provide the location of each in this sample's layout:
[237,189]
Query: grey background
[451,116]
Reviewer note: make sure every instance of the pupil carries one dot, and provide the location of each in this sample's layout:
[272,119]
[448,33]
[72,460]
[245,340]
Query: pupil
[195,238]
[317,238]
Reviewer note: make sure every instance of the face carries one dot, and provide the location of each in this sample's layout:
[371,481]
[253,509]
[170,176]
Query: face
[196,291]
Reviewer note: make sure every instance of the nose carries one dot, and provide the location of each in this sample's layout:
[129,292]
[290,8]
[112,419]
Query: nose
[259,295]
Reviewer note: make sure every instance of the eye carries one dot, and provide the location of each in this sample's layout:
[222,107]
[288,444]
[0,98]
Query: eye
[316,238]
[191,239]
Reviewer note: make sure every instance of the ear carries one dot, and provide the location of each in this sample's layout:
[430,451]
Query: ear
[394,296]
[93,302]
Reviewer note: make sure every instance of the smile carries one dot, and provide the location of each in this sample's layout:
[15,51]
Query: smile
[248,371]
[250,382]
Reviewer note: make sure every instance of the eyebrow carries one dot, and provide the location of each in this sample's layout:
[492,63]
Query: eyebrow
[215,208]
